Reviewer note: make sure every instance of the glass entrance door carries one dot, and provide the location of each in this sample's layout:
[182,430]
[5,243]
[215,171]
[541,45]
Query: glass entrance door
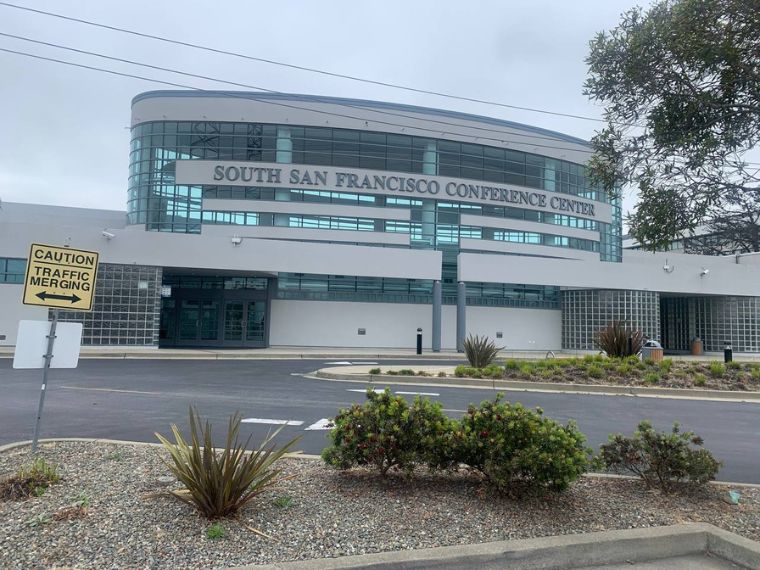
[198,321]
[245,323]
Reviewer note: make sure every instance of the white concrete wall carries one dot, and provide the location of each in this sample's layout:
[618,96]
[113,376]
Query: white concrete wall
[641,271]
[214,249]
[391,325]
[12,311]
[329,323]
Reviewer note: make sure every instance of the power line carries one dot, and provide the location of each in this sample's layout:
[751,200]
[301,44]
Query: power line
[264,89]
[249,96]
[294,66]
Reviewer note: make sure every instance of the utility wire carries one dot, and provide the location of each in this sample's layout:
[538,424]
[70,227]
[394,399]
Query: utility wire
[248,96]
[264,89]
[294,66]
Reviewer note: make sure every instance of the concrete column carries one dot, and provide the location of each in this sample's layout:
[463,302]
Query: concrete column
[428,222]
[461,315]
[284,154]
[437,294]
[430,159]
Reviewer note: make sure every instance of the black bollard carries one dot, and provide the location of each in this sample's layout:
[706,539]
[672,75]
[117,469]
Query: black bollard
[728,353]
[419,341]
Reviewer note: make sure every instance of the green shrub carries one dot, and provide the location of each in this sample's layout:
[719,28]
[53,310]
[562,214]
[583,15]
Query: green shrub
[624,369]
[641,365]
[512,364]
[386,432]
[546,373]
[717,369]
[700,379]
[595,371]
[665,365]
[480,351]
[30,480]
[460,371]
[616,339]
[510,444]
[375,371]
[733,365]
[392,372]
[493,371]
[441,374]
[406,372]
[589,358]
[652,377]
[633,360]
[755,373]
[661,459]
[215,532]
[220,484]
[422,373]
[283,502]
[526,369]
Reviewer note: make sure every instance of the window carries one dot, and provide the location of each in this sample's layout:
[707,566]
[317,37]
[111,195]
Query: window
[12,270]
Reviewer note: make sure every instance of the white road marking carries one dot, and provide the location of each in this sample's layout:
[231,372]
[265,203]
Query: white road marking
[111,390]
[380,391]
[323,424]
[271,422]
[342,362]
[363,363]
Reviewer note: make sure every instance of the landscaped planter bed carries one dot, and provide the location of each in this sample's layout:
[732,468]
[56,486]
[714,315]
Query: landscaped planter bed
[601,371]
[329,514]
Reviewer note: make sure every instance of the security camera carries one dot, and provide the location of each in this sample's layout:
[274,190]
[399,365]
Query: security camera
[704,272]
[236,240]
[108,235]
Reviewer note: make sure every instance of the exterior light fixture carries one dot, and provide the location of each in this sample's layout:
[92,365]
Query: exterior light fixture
[236,240]
[108,235]
[704,272]
[667,268]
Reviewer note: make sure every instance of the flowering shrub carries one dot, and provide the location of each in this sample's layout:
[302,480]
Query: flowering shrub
[661,459]
[386,432]
[509,444]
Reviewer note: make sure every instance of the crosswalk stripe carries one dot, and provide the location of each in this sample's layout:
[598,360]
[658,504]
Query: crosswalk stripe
[323,424]
[271,422]
[380,390]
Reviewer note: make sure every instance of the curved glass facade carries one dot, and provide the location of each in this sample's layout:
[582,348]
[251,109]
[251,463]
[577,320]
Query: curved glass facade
[155,200]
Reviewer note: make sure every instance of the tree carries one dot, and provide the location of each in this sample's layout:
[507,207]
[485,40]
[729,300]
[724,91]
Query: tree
[680,85]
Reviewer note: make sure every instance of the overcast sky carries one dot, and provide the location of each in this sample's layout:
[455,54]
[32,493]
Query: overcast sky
[65,130]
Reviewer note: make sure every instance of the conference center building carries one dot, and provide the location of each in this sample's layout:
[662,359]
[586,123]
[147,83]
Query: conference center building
[258,220]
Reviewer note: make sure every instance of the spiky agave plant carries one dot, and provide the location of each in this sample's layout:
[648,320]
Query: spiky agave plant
[480,351]
[613,339]
[220,483]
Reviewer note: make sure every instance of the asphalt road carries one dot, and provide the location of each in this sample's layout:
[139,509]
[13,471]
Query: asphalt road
[132,399]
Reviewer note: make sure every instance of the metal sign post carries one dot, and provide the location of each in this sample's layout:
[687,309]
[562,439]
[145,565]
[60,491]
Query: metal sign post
[48,357]
[55,277]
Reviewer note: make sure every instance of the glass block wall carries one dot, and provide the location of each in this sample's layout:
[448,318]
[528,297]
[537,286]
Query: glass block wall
[734,319]
[126,308]
[585,312]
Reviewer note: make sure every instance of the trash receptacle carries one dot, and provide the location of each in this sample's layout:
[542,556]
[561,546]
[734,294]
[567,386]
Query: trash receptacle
[697,348]
[652,350]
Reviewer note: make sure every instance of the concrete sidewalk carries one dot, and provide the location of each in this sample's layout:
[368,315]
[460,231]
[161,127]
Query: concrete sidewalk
[320,353]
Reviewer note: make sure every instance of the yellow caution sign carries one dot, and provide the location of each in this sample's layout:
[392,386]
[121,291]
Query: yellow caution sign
[60,277]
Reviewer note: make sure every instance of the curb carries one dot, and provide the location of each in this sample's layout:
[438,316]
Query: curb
[521,386]
[557,552]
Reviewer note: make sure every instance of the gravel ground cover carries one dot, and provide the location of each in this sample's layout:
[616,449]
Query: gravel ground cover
[318,513]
